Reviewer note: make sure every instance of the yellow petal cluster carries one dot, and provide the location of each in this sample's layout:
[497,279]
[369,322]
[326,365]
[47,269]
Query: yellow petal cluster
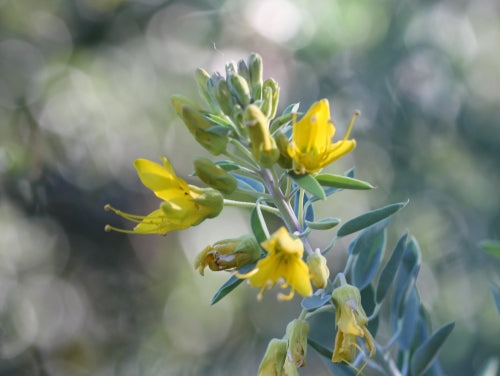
[351,320]
[283,264]
[183,205]
[311,147]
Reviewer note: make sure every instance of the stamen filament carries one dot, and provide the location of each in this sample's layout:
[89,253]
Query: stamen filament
[351,124]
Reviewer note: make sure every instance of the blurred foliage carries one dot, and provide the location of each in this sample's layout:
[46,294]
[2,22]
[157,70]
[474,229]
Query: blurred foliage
[84,90]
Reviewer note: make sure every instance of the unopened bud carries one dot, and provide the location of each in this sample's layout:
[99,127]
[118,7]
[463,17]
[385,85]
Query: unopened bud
[210,199]
[228,254]
[262,144]
[318,270]
[273,98]
[223,96]
[202,78]
[274,358]
[214,176]
[199,127]
[284,160]
[231,69]
[296,333]
[178,101]
[255,68]
[239,88]
[243,70]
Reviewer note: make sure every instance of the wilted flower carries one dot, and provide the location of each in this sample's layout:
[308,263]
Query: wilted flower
[311,147]
[282,264]
[228,254]
[351,320]
[274,358]
[184,205]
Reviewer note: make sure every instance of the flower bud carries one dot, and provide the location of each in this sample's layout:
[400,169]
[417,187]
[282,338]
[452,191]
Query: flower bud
[255,69]
[210,199]
[202,78]
[179,100]
[223,95]
[228,254]
[272,99]
[274,358]
[263,145]
[282,143]
[296,333]
[214,176]
[231,68]
[318,270]
[198,125]
[239,88]
[243,70]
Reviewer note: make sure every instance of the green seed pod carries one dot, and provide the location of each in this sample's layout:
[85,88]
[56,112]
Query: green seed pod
[214,176]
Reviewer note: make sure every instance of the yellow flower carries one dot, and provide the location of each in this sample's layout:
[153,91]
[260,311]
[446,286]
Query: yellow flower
[312,147]
[283,264]
[183,205]
[351,320]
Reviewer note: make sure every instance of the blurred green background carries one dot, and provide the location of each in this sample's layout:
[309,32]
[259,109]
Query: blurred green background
[84,90]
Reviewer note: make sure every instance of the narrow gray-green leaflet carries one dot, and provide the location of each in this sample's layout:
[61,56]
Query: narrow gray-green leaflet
[391,267]
[309,183]
[427,352]
[369,218]
[368,261]
[230,284]
[256,224]
[323,224]
[341,181]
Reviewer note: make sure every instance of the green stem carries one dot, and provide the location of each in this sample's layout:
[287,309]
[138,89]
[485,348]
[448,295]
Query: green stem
[283,206]
[251,205]
[325,308]
[301,208]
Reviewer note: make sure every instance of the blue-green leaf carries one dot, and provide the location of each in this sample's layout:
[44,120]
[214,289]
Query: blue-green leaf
[369,218]
[322,350]
[249,184]
[425,354]
[365,239]
[223,121]
[227,165]
[368,261]
[231,284]
[290,109]
[315,301]
[257,224]
[491,246]
[323,224]
[219,130]
[278,122]
[340,181]
[309,183]
[495,291]
[409,321]
[391,267]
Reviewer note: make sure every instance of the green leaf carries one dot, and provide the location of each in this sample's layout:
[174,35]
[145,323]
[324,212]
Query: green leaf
[369,218]
[309,183]
[278,122]
[391,267]
[323,224]
[368,261]
[248,183]
[322,350]
[491,246]
[495,291]
[292,108]
[315,301]
[409,321]
[219,129]
[227,165]
[425,354]
[219,120]
[340,181]
[231,284]
[368,303]
[257,224]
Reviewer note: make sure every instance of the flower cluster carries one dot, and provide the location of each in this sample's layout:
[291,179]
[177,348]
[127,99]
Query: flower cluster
[272,163]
